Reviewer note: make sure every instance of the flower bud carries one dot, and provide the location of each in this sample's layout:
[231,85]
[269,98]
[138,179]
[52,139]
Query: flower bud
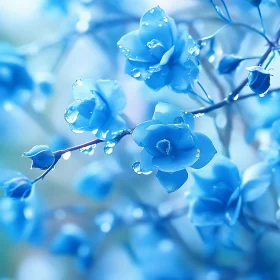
[255,2]
[259,79]
[228,64]
[41,156]
[18,188]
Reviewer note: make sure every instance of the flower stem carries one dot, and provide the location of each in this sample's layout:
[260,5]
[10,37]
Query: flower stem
[227,101]
[59,153]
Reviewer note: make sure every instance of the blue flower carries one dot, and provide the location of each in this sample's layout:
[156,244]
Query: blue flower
[72,240]
[18,188]
[255,2]
[228,64]
[159,56]
[258,79]
[94,182]
[171,145]
[219,191]
[41,156]
[14,77]
[96,107]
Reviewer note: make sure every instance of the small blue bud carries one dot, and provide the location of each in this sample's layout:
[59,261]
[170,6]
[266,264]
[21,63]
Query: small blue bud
[255,2]
[41,156]
[228,64]
[18,188]
[259,79]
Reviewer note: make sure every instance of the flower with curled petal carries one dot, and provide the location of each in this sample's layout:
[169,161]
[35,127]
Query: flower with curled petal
[96,108]
[41,156]
[14,77]
[159,56]
[170,145]
[219,191]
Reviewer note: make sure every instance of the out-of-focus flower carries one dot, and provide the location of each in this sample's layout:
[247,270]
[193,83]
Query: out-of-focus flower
[41,156]
[171,145]
[18,188]
[14,77]
[94,182]
[72,240]
[258,79]
[96,108]
[159,56]
[219,191]
[22,219]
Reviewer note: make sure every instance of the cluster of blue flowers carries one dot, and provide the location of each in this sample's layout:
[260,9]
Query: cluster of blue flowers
[161,55]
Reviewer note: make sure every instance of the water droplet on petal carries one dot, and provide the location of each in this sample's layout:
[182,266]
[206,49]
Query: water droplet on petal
[153,44]
[108,150]
[152,11]
[135,73]
[136,166]
[71,114]
[165,19]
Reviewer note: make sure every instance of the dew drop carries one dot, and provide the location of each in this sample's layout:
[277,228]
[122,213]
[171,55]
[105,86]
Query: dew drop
[236,97]
[66,156]
[160,25]
[108,150]
[136,166]
[135,73]
[155,68]
[88,150]
[153,44]
[198,115]
[71,114]
[152,11]
[165,19]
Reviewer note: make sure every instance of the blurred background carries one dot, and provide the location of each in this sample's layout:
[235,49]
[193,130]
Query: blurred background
[63,40]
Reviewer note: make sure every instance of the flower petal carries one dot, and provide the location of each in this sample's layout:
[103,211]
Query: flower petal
[156,25]
[166,113]
[139,133]
[256,180]
[135,50]
[178,162]
[158,79]
[207,150]
[206,212]
[146,162]
[172,181]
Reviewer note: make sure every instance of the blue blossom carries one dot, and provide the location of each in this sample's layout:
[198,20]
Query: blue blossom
[41,156]
[219,191]
[96,107]
[258,79]
[14,76]
[72,241]
[255,2]
[158,55]
[171,145]
[228,64]
[94,182]
[18,188]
